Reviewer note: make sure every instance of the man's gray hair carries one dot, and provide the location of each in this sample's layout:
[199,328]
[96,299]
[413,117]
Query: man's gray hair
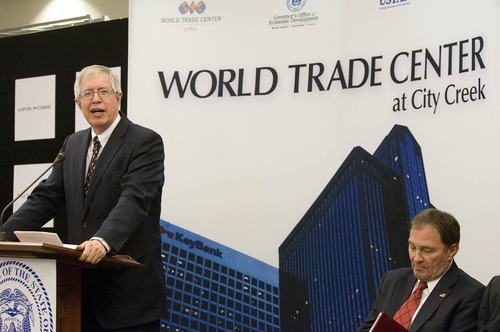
[97,70]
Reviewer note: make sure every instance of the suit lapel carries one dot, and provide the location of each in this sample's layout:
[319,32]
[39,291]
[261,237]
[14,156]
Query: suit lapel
[107,155]
[436,297]
[403,290]
[75,172]
[80,162]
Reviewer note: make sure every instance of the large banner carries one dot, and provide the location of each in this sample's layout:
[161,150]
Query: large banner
[259,103]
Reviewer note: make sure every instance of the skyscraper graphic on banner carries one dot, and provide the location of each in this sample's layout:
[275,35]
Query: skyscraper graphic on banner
[356,230]
[211,287]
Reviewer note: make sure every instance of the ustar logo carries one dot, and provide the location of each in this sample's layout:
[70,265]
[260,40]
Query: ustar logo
[194,244]
[384,4]
[199,7]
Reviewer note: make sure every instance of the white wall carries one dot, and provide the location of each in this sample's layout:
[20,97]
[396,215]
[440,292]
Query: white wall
[15,13]
[243,170]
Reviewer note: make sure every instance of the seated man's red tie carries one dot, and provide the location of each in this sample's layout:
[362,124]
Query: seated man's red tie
[407,310]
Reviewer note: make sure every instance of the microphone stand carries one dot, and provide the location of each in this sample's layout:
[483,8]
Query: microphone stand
[3,236]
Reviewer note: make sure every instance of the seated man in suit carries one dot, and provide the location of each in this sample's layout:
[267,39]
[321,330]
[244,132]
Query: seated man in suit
[489,311]
[434,294]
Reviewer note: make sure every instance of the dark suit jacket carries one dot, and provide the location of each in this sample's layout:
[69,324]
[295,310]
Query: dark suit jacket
[122,207]
[489,311]
[452,305]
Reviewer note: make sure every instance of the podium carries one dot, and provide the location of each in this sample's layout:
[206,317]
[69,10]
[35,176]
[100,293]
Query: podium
[67,275]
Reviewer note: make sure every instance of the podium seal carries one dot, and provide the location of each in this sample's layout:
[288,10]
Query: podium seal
[24,302]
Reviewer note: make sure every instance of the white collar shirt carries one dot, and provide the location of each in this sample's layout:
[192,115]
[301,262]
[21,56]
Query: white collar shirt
[426,292]
[103,139]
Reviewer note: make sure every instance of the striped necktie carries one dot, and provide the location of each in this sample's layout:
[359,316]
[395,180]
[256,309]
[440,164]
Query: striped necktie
[93,160]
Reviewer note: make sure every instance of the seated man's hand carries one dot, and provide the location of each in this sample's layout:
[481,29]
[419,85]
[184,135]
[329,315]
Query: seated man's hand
[93,251]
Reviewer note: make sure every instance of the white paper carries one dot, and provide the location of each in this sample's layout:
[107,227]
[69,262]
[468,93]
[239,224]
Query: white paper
[39,237]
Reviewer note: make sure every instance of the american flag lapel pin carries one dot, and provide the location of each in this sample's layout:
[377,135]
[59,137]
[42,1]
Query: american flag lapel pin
[442,295]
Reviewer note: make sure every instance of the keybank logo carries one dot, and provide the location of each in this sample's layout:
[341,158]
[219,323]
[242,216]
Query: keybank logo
[198,7]
[194,244]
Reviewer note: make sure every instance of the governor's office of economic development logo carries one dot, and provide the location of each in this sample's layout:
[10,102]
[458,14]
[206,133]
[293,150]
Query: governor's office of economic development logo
[297,19]
[295,5]
[24,302]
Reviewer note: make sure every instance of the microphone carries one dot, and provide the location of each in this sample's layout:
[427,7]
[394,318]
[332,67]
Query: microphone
[59,158]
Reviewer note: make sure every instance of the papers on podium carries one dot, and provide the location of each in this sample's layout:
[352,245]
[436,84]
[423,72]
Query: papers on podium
[385,323]
[41,237]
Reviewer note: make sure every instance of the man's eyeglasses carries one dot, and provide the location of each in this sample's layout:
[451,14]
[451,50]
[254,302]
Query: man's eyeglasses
[103,92]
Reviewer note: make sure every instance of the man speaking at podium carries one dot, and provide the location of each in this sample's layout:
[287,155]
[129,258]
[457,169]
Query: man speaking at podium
[111,182]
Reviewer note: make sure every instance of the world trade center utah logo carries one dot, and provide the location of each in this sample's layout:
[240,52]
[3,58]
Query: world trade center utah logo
[193,7]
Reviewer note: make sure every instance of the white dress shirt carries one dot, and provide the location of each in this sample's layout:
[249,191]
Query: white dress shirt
[426,292]
[103,139]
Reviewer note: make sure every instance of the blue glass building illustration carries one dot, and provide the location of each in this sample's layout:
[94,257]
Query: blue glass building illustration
[211,287]
[357,229]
